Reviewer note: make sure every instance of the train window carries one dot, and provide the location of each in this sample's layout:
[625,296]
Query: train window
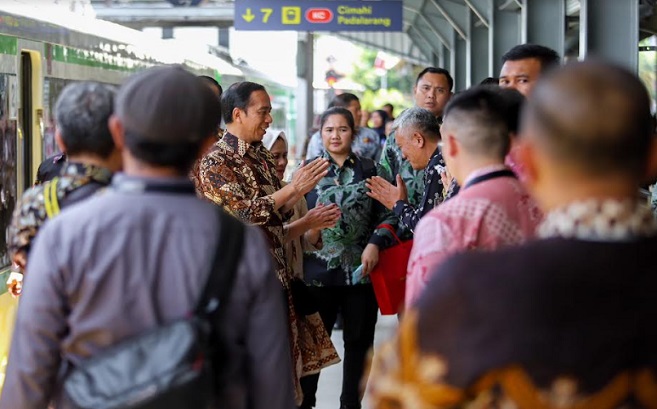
[8,157]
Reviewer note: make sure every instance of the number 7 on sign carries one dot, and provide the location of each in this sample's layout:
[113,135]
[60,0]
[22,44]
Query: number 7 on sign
[265,14]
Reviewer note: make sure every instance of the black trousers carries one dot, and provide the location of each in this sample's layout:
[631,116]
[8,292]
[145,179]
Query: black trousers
[359,310]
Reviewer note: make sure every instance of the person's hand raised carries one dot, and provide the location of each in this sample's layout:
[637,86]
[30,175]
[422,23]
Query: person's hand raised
[307,176]
[323,217]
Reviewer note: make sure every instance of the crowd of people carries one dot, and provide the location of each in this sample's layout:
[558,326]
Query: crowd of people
[530,282]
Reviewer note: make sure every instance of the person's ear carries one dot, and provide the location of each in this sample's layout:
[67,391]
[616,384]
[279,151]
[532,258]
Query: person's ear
[237,115]
[418,139]
[118,132]
[59,141]
[451,145]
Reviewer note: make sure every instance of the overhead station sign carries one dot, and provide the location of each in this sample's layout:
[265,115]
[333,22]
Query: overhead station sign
[319,15]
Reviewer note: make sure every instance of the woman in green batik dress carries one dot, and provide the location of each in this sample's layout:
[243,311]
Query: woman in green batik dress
[330,272]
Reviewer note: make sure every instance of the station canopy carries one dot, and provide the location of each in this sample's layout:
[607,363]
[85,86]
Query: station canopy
[432,29]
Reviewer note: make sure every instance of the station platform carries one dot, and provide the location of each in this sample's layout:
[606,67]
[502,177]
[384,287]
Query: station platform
[330,381]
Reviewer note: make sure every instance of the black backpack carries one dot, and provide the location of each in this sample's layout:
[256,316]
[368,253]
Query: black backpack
[173,366]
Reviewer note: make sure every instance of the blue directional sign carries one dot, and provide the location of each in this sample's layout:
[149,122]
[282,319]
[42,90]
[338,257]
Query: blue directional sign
[319,15]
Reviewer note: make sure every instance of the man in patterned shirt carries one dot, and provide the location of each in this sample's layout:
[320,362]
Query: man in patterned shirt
[239,173]
[82,112]
[432,91]
[417,133]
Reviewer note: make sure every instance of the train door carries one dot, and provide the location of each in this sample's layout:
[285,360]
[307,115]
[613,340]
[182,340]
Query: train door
[29,119]
[25,122]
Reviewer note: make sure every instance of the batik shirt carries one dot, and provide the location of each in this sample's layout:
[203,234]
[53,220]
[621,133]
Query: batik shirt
[367,144]
[393,164]
[241,177]
[564,321]
[433,194]
[343,244]
[30,213]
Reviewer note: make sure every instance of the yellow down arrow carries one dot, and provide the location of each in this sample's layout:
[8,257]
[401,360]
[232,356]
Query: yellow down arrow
[249,16]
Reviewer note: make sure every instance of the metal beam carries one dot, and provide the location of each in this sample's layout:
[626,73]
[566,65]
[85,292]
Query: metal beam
[479,52]
[428,24]
[419,33]
[461,71]
[405,50]
[506,30]
[609,29]
[139,15]
[450,19]
[436,33]
[546,23]
[479,15]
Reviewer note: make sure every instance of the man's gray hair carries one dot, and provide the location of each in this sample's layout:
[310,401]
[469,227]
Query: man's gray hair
[421,120]
[82,112]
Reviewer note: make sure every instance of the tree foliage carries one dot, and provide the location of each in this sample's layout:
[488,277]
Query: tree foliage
[399,82]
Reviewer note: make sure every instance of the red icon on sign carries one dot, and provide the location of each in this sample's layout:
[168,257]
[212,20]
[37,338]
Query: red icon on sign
[316,15]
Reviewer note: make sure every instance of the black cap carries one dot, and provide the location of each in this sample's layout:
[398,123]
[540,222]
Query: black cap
[167,105]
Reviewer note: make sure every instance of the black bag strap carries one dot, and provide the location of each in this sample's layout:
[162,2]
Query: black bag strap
[224,265]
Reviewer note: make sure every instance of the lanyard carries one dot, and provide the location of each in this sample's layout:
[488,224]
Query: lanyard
[489,176]
[140,186]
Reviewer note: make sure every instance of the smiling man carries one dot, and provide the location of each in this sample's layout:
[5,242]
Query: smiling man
[239,174]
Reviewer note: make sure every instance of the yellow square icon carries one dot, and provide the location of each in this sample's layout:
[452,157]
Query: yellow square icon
[291,15]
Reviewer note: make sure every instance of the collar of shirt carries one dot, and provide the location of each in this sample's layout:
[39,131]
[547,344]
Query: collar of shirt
[435,160]
[96,173]
[136,184]
[238,145]
[484,171]
[600,220]
[351,160]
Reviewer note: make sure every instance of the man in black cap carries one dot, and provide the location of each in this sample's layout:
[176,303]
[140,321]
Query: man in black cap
[134,257]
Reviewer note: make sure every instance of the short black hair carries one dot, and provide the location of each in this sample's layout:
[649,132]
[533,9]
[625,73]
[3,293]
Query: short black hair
[338,111]
[481,113]
[490,81]
[238,96]
[435,70]
[82,112]
[212,81]
[343,100]
[547,56]
[514,103]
